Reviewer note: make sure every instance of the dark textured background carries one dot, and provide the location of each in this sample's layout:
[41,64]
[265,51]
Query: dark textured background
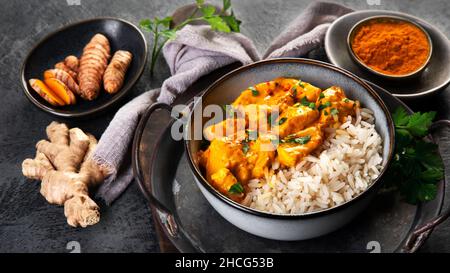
[27,222]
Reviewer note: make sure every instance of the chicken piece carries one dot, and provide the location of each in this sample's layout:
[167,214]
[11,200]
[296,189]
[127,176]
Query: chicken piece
[295,118]
[230,129]
[305,90]
[260,155]
[221,154]
[335,107]
[299,145]
[223,179]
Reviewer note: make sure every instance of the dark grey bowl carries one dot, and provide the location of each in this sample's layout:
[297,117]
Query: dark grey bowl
[70,40]
[301,226]
[365,21]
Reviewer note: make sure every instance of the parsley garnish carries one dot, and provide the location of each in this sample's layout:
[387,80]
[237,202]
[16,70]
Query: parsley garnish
[282,120]
[236,188]
[325,105]
[322,95]
[254,91]
[416,167]
[300,83]
[298,140]
[334,111]
[312,105]
[304,101]
[245,147]
[346,100]
[294,91]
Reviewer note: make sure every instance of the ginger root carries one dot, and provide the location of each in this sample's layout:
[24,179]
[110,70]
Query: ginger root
[61,90]
[93,63]
[45,92]
[116,70]
[66,169]
[64,77]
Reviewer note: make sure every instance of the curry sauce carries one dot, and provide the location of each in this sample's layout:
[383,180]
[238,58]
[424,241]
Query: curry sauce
[281,120]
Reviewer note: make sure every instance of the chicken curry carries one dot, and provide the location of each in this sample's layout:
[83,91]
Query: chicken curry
[280,120]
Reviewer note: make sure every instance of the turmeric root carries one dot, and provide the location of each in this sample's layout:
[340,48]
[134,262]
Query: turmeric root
[72,63]
[61,90]
[116,70]
[45,92]
[93,63]
[64,77]
[63,66]
[65,167]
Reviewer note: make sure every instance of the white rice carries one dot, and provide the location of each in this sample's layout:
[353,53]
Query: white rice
[344,166]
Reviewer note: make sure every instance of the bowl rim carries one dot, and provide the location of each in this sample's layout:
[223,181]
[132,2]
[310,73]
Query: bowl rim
[355,58]
[375,184]
[96,109]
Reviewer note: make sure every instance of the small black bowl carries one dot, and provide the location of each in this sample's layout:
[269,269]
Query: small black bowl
[70,40]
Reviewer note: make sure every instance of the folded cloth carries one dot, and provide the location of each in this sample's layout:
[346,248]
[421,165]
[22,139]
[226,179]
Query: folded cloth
[195,52]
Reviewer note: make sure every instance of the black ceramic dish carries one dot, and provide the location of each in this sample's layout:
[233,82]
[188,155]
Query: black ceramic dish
[434,78]
[70,40]
[183,212]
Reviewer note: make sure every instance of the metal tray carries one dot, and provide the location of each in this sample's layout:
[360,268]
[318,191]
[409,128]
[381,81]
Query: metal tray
[192,225]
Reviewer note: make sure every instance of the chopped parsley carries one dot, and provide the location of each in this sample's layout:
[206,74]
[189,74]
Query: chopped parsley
[294,91]
[245,147]
[325,113]
[322,95]
[237,188]
[254,91]
[282,120]
[346,100]
[300,83]
[312,105]
[304,101]
[325,105]
[298,140]
[334,111]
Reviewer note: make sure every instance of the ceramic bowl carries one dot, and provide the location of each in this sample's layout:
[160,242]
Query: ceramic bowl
[289,227]
[70,40]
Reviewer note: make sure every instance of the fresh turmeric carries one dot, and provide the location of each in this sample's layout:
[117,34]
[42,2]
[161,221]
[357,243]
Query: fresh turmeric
[391,47]
[61,90]
[93,63]
[45,92]
[116,70]
[64,77]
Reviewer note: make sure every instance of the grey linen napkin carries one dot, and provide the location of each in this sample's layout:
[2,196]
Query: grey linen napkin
[195,52]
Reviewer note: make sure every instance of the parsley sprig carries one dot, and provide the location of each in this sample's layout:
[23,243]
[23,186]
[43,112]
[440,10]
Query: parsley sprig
[164,31]
[416,167]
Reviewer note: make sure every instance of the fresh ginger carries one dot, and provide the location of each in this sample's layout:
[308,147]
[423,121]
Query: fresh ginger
[64,77]
[116,70]
[72,63]
[61,90]
[63,66]
[66,169]
[93,63]
[45,92]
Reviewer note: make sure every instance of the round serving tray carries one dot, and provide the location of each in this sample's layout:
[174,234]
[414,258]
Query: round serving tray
[192,225]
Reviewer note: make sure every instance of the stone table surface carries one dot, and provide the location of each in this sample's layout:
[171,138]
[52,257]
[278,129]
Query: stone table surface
[27,222]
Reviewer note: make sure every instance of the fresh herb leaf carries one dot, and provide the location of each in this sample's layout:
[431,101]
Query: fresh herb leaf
[294,91]
[300,83]
[237,188]
[322,95]
[282,120]
[163,31]
[346,100]
[298,140]
[254,91]
[325,105]
[245,147]
[417,166]
[207,10]
[325,113]
[312,105]
[304,101]
[217,23]
[334,111]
